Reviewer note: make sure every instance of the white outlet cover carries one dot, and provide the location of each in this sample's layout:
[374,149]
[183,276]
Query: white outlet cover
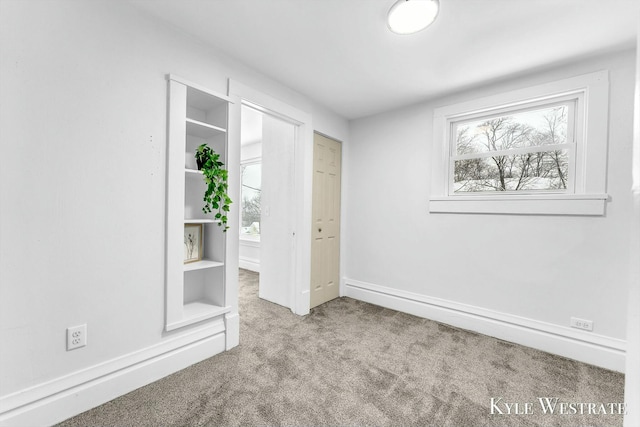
[585,325]
[76,337]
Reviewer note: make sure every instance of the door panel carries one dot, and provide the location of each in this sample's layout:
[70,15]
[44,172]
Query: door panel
[325,245]
[277,217]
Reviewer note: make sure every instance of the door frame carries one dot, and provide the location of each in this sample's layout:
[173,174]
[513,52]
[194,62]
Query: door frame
[299,292]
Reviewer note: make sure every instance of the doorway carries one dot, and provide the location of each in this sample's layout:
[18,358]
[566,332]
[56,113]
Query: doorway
[285,196]
[267,198]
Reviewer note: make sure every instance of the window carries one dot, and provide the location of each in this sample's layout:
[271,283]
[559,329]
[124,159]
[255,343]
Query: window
[251,189]
[540,150]
[526,150]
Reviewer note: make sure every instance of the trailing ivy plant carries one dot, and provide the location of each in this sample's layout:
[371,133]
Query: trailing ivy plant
[215,197]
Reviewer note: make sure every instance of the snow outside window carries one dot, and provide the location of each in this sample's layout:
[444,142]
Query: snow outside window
[539,150]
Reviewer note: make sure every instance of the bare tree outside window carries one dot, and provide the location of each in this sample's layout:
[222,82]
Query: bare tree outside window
[526,150]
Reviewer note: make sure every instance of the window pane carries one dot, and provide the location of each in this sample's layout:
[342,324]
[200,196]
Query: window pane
[546,170]
[532,128]
[251,188]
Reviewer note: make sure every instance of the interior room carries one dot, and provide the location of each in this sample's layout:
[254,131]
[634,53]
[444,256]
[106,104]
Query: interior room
[437,225]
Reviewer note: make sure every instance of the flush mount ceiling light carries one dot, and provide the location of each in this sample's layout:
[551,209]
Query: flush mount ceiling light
[411,16]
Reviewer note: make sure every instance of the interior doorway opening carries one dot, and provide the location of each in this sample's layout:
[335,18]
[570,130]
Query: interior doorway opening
[268,202]
[289,205]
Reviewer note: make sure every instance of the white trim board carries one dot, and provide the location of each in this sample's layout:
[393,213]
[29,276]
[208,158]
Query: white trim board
[583,346]
[54,401]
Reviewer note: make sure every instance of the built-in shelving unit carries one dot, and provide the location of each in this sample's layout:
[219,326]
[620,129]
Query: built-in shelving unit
[196,291]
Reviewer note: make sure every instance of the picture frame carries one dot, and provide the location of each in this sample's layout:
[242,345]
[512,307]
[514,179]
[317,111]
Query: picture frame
[192,243]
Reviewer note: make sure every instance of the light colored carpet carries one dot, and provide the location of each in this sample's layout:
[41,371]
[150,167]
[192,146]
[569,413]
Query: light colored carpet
[356,364]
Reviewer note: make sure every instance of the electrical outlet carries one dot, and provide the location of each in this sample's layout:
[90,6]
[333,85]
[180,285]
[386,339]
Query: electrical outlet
[586,325]
[76,337]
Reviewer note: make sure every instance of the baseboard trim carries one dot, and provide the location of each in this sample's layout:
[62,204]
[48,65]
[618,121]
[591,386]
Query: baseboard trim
[232,323]
[64,397]
[249,264]
[302,307]
[579,345]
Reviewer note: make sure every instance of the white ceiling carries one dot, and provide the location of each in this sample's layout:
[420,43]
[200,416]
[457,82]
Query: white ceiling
[341,54]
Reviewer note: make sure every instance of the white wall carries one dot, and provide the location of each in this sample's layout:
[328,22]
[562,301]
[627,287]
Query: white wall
[249,255]
[83,119]
[531,272]
[632,383]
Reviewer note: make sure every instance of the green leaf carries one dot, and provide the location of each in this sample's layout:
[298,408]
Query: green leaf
[215,177]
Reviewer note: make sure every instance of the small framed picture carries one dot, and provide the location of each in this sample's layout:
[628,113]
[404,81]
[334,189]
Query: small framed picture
[192,243]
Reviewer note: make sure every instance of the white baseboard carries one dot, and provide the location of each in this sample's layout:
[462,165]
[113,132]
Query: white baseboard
[232,322]
[62,398]
[249,264]
[303,302]
[579,345]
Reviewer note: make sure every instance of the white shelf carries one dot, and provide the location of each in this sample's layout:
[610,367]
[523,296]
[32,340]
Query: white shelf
[201,221]
[202,264]
[198,311]
[202,130]
[192,171]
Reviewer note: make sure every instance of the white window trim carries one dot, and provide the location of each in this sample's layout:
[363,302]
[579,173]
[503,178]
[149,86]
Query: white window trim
[589,196]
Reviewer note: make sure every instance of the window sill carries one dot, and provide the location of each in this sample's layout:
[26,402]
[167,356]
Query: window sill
[575,204]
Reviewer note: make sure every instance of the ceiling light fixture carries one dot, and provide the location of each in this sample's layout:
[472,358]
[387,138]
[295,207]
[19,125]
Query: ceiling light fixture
[411,16]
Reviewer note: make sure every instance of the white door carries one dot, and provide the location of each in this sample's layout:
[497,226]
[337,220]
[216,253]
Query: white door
[325,243]
[277,219]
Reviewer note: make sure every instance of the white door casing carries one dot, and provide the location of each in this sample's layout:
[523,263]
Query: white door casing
[303,172]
